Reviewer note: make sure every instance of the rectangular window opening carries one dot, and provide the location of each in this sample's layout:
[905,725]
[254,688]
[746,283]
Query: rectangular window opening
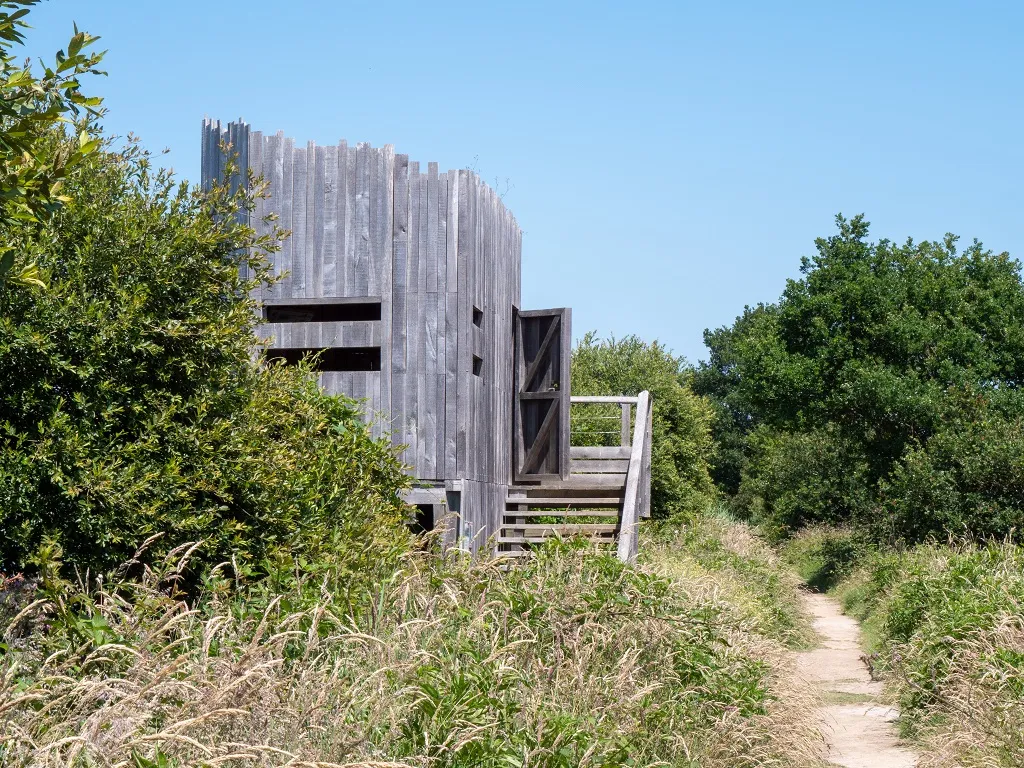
[478,317]
[424,520]
[332,358]
[478,366]
[322,313]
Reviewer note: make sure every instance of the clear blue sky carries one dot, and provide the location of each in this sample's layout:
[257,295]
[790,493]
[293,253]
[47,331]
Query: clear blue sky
[668,162]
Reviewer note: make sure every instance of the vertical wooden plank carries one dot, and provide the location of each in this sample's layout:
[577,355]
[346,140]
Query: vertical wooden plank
[309,237]
[314,220]
[400,297]
[256,217]
[209,159]
[386,229]
[327,243]
[265,205]
[352,232]
[204,156]
[231,141]
[452,330]
[500,355]
[479,271]
[243,162]
[442,340]
[299,256]
[374,257]
[360,285]
[428,370]
[344,198]
[274,170]
[464,413]
[284,287]
[414,383]
[565,358]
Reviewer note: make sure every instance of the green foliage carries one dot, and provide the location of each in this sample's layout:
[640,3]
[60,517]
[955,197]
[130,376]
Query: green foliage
[881,389]
[760,591]
[825,555]
[680,483]
[132,405]
[33,168]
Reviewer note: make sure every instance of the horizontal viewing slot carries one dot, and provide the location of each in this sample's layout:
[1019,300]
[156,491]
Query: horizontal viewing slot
[321,313]
[332,358]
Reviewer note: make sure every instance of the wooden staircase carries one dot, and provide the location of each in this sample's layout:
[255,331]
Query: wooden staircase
[605,494]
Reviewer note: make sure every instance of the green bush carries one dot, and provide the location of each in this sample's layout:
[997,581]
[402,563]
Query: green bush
[682,445]
[131,404]
[782,489]
[881,389]
[823,556]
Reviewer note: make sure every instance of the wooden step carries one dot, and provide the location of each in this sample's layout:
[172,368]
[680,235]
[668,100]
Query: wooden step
[564,529]
[564,505]
[564,513]
[600,452]
[545,539]
[566,501]
[576,483]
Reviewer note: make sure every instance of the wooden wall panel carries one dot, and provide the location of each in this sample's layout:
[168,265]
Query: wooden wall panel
[433,246]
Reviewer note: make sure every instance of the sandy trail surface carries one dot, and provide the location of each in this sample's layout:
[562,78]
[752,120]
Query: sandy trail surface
[857,727]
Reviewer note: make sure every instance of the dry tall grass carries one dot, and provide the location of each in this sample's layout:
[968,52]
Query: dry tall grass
[570,660]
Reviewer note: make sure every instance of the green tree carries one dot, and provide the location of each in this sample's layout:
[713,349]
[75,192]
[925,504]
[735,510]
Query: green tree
[862,363]
[131,404]
[682,447]
[33,167]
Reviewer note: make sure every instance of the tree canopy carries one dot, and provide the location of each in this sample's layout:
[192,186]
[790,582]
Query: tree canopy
[849,394]
[682,447]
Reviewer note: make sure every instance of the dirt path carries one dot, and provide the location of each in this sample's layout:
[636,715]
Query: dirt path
[858,729]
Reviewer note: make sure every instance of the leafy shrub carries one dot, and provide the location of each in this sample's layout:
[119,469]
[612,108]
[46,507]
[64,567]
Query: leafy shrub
[823,556]
[682,446]
[781,488]
[132,405]
[32,167]
[881,389]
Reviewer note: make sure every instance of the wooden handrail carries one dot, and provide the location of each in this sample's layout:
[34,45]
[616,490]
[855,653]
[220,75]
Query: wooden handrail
[637,480]
[602,399]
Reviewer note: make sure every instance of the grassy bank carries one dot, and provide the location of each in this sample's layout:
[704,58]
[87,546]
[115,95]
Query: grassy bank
[945,626]
[570,660]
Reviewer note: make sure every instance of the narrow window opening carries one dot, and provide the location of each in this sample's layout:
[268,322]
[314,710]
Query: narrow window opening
[322,313]
[424,521]
[478,317]
[478,366]
[332,358]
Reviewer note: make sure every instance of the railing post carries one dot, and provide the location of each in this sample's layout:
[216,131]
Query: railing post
[627,409]
[627,548]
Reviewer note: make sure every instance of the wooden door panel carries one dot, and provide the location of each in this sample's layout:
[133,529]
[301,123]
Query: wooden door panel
[542,353]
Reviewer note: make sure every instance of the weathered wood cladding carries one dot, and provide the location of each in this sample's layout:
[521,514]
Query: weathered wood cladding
[442,254]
